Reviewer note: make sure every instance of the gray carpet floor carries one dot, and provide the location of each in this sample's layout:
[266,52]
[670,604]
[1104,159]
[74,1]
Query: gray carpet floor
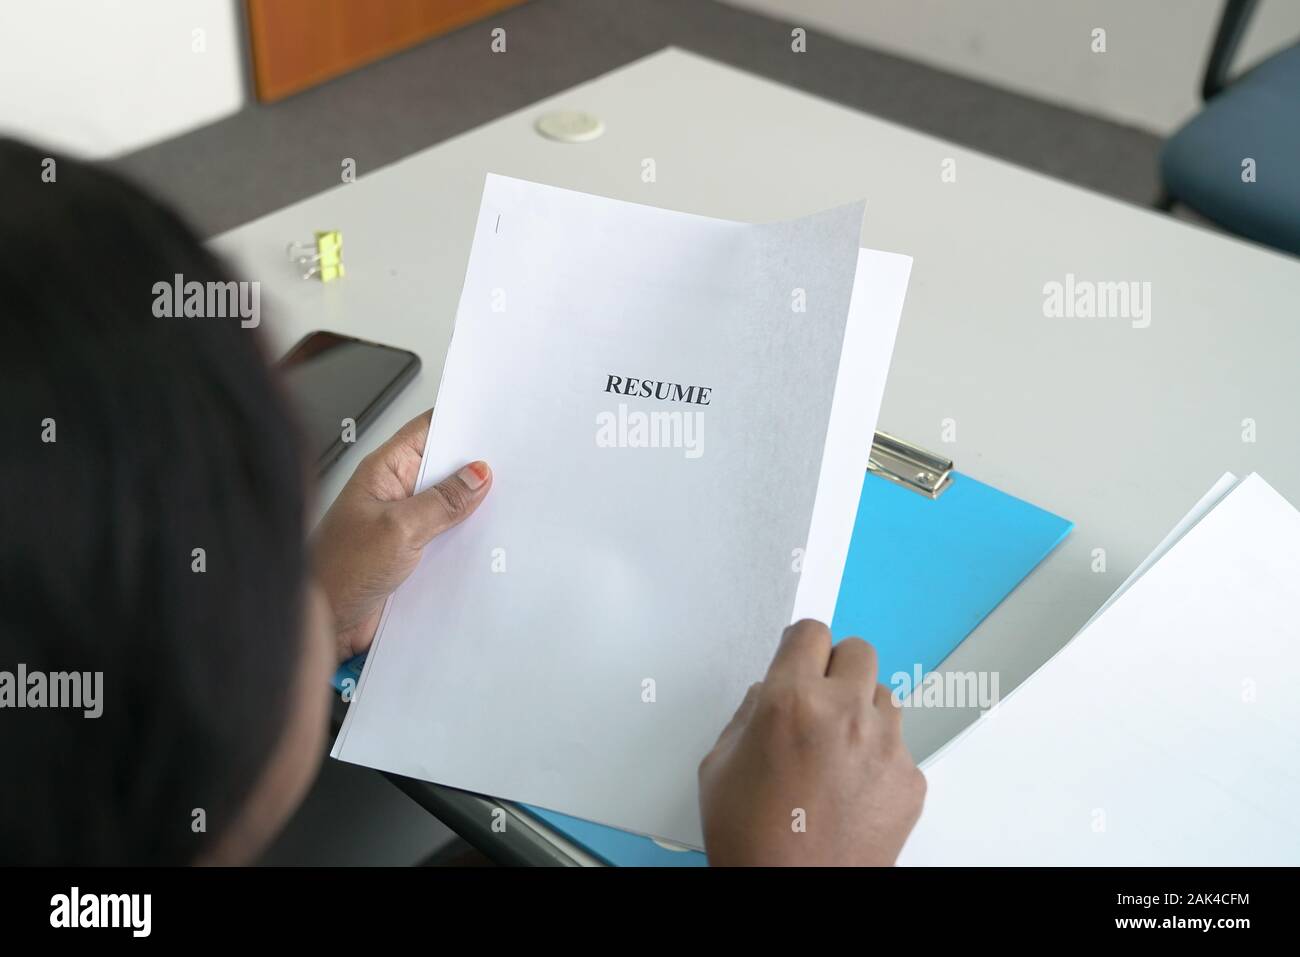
[267,156]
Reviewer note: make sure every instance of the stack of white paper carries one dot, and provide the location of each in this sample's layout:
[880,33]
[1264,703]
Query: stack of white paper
[1165,733]
[678,412]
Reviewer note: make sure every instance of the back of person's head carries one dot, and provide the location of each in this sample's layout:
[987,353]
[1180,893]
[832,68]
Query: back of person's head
[151,531]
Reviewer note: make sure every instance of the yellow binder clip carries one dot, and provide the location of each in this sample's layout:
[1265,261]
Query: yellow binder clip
[323,258]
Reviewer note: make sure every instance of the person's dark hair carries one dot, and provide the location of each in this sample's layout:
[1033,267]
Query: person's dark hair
[130,441]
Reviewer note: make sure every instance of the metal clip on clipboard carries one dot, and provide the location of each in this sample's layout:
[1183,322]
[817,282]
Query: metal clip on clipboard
[909,465]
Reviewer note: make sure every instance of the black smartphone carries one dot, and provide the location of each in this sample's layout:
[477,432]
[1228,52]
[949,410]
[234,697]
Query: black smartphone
[333,378]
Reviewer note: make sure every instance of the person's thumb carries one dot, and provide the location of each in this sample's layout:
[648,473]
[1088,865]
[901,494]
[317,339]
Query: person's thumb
[743,714]
[448,503]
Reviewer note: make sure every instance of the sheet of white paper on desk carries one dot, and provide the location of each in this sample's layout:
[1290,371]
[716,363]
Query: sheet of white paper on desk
[1222,487]
[1165,733]
[580,642]
[1226,483]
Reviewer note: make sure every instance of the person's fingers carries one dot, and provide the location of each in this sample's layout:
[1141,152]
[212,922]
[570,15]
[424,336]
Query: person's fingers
[402,452]
[441,506]
[414,433]
[883,700]
[735,727]
[744,712]
[805,650]
[853,660]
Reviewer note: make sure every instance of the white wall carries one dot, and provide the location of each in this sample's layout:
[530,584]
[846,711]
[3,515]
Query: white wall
[1149,77]
[102,77]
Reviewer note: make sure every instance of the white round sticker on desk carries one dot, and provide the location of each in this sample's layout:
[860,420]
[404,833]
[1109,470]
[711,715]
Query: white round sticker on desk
[570,126]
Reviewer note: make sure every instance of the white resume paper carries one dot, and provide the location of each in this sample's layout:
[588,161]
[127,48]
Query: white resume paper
[678,413]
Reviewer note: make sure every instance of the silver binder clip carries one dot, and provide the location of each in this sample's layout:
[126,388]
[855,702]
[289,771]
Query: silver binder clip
[909,465]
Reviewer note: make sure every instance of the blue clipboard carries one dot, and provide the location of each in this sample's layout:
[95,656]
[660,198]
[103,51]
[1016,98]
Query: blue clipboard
[980,543]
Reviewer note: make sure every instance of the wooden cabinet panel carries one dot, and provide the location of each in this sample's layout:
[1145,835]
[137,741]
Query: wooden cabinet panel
[299,43]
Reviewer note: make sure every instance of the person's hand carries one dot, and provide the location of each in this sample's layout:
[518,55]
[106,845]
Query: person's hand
[812,769]
[371,538]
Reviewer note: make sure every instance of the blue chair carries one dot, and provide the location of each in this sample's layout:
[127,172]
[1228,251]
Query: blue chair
[1256,116]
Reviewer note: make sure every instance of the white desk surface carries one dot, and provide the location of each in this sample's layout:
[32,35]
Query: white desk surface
[1117,428]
